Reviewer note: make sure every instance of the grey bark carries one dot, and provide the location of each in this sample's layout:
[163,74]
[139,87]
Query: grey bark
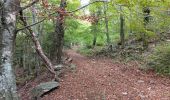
[7,38]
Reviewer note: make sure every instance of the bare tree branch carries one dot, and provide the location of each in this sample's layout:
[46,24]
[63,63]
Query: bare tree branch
[86,6]
[38,47]
[44,18]
[30,25]
[35,1]
[29,5]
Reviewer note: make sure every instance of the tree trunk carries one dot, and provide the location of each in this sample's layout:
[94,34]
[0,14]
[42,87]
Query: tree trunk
[59,30]
[94,30]
[7,38]
[130,22]
[94,38]
[106,23]
[146,12]
[59,40]
[122,33]
[35,30]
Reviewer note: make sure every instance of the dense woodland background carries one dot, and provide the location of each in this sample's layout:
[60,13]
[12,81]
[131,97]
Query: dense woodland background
[42,31]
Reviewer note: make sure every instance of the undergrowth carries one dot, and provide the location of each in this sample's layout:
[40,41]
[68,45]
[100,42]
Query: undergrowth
[89,51]
[159,59]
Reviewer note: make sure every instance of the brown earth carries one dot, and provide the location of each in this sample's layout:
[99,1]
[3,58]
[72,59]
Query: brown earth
[104,79]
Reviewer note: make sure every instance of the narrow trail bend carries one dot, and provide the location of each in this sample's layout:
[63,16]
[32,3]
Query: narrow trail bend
[102,79]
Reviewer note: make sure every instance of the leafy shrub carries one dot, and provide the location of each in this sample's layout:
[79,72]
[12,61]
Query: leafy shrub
[150,34]
[159,60]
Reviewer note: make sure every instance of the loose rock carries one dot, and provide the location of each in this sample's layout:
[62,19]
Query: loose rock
[43,89]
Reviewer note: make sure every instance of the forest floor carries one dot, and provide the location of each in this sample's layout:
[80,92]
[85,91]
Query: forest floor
[102,78]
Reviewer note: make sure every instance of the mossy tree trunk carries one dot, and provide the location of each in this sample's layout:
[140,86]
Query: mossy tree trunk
[59,30]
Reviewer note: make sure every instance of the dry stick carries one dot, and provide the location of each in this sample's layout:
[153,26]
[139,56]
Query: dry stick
[38,47]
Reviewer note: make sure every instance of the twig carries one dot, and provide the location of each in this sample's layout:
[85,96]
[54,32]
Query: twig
[30,25]
[29,5]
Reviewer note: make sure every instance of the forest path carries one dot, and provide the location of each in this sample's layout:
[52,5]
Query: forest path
[103,79]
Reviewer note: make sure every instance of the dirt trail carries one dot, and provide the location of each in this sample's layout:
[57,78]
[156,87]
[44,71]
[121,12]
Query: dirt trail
[101,79]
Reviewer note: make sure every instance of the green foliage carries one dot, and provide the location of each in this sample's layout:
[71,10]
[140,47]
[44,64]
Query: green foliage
[48,43]
[159,60]
[90,51]
[150,34]
[76,32]
[85,51]
[73,4]
[81,33]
